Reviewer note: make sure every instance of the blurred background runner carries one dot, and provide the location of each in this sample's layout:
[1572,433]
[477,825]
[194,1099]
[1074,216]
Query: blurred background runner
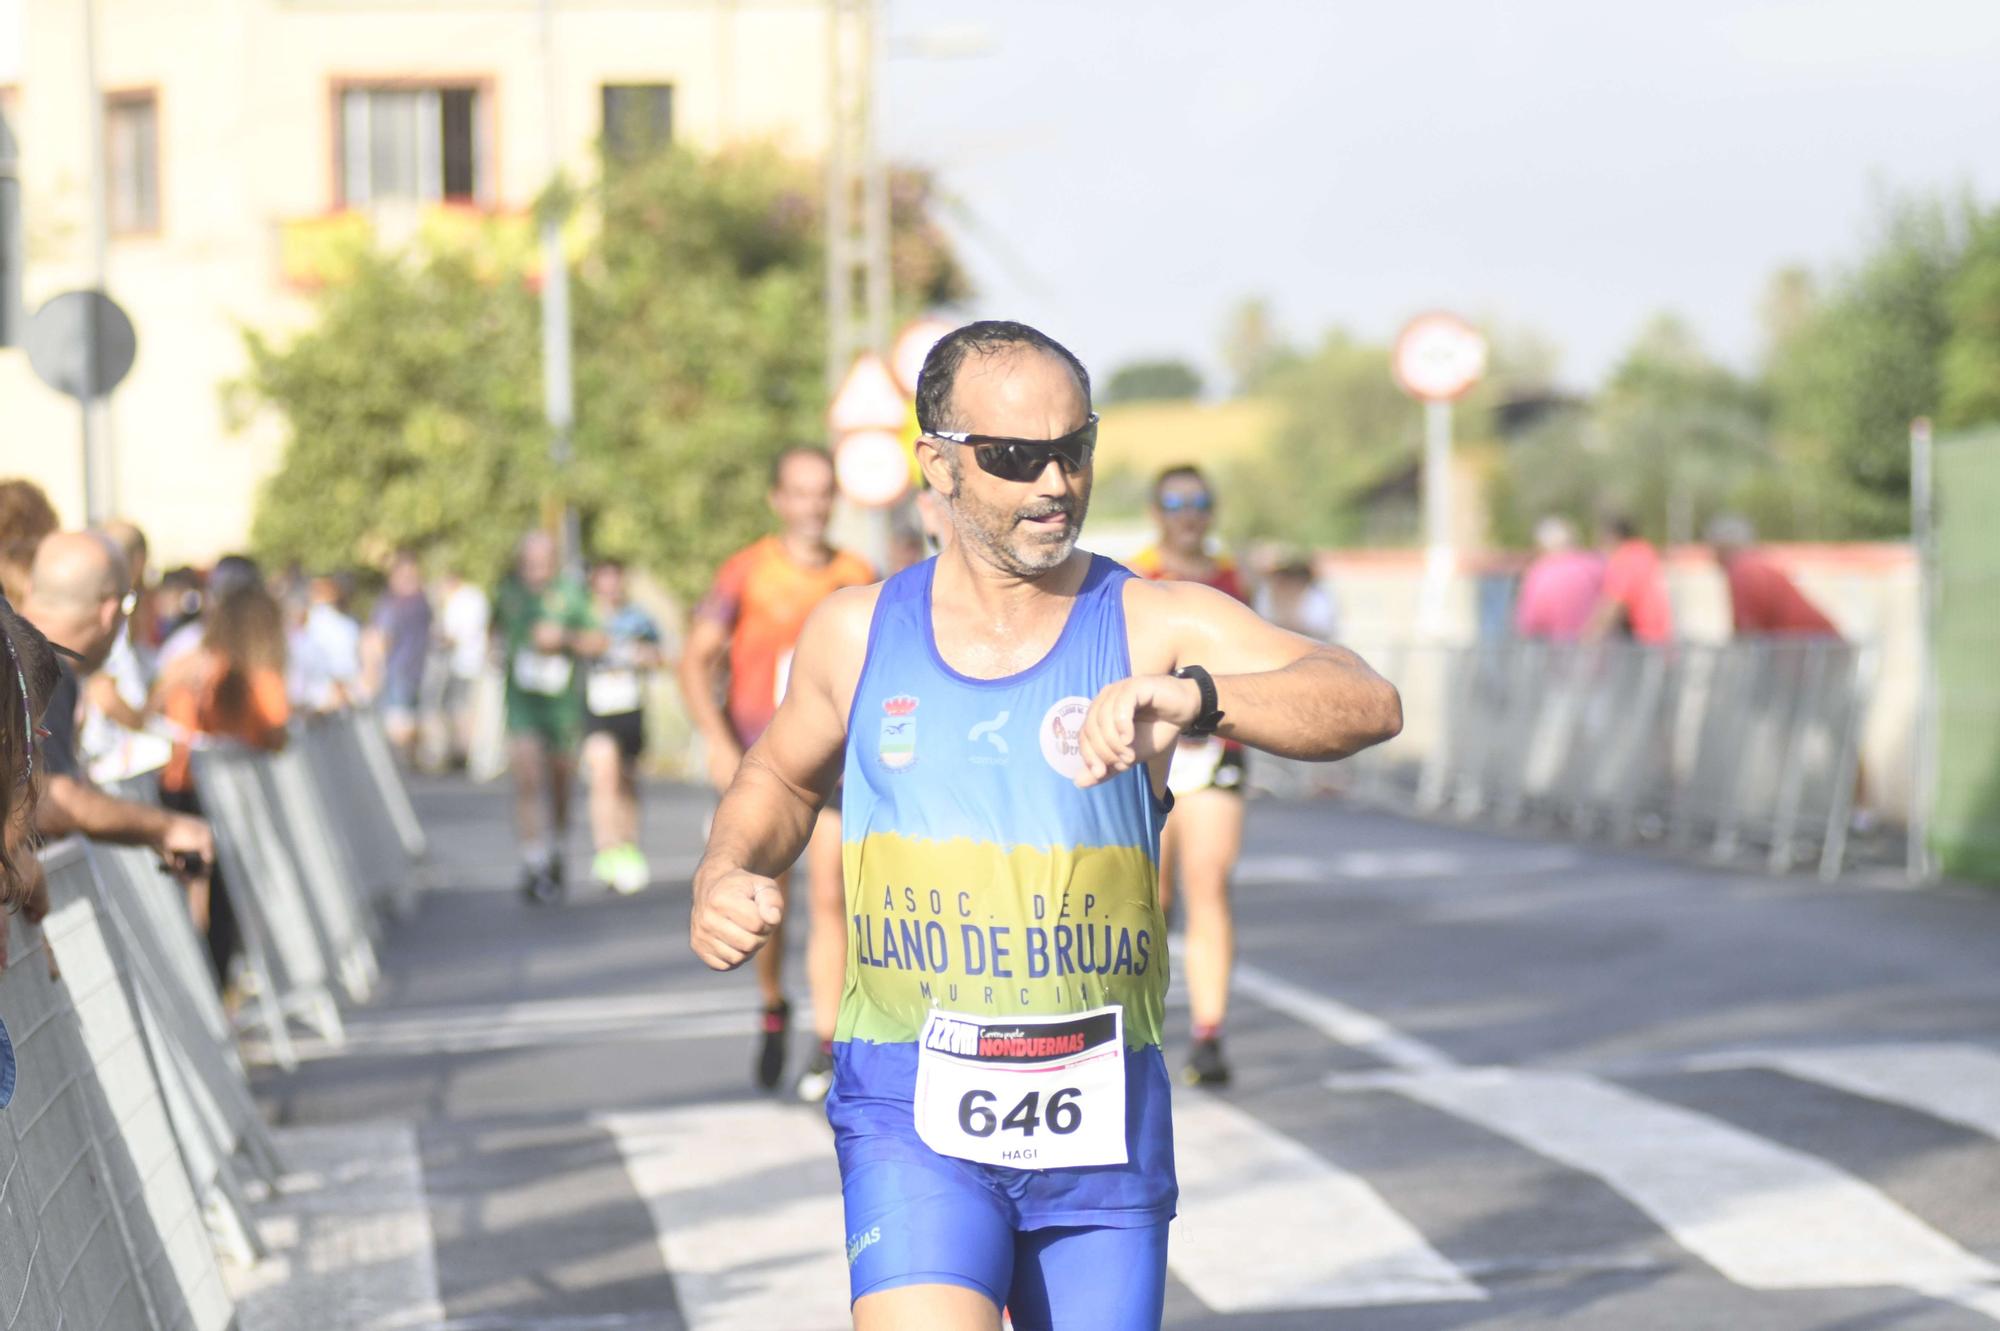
[463,622]
[1204,833]
[628,653]
[744,631]
[540,618]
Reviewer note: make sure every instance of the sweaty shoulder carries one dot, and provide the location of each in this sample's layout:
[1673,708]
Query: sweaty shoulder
[1160,617]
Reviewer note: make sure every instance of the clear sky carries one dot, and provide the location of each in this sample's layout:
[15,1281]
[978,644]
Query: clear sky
[1130,170]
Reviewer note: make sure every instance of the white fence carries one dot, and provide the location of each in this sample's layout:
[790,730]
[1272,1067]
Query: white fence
[132,1141]
[1738,750]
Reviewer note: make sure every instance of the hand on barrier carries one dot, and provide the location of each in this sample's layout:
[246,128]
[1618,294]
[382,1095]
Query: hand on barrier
[186,845]
[735,913]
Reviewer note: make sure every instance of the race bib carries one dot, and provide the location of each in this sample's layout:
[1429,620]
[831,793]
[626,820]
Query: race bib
[1024,1092]
[614,692]
[545,673]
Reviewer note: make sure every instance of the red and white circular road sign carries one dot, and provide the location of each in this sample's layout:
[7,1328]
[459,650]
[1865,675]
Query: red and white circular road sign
[1439,357]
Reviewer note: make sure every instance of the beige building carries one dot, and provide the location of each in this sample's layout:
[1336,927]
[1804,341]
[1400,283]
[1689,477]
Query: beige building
[239,133]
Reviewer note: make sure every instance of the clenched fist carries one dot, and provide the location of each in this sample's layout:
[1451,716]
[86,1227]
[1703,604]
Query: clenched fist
[735,913]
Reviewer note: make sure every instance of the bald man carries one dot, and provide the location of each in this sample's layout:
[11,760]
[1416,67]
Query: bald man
[76,593]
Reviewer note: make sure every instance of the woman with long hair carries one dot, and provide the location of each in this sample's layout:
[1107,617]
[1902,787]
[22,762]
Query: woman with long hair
[232,687]
[28,675]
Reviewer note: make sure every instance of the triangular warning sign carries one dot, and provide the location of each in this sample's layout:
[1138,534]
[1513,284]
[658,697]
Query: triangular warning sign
[868,398]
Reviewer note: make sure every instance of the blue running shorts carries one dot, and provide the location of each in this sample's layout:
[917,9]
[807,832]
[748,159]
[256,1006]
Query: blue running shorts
[914,1224]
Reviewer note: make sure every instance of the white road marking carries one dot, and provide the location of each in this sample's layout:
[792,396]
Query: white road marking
[745,1198]
[350,1235]
[1762,1214]
[1957,1083]
[1337,1021]
[1266,1224]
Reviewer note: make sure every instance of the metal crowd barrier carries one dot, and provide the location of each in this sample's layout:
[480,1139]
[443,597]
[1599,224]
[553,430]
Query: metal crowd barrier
[132,1142]
[1746,748]
[99,1225]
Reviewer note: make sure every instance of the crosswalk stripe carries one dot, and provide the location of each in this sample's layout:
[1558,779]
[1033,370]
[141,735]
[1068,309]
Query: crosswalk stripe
[745,1198]
[1957,1083]
[1762,1214]
[1337,1021]
[1266,1224]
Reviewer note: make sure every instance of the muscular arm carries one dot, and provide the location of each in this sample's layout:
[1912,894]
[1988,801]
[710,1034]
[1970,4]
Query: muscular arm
[766,816]
[1278,691]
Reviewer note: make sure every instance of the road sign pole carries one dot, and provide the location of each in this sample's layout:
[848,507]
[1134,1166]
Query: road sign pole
[98,481]
[1437,481]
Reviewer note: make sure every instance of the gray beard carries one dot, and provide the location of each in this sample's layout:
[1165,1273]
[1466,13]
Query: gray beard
[997,535]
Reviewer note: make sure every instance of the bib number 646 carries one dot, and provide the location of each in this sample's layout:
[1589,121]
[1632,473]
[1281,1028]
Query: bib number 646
[1062,1114]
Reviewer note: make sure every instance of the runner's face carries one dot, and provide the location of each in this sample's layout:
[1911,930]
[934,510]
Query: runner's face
[1020,527]
[607,582]
[803,497]
[1182,514]
[537,565]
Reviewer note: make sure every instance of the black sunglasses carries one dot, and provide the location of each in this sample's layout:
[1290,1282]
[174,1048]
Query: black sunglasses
[1025,459]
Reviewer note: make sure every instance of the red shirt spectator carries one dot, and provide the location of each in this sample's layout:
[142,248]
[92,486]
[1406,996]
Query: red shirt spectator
[1634,584]
[1763,599]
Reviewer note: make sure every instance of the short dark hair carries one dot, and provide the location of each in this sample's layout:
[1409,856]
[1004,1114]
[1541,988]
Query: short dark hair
[985,338]
[1185,471]
[796,451]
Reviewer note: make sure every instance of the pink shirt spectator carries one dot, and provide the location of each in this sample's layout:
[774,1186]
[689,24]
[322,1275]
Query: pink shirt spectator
[1557,594]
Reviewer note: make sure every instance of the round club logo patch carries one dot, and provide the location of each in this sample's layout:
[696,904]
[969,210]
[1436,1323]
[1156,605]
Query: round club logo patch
[1062,736]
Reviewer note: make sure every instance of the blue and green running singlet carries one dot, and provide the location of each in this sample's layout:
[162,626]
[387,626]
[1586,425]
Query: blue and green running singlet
[999,1027]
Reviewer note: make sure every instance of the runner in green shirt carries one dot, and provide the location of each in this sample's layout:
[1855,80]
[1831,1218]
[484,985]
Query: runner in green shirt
[543,624]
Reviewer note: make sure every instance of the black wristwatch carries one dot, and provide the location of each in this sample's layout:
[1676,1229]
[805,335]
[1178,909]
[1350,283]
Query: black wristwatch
[1210,715]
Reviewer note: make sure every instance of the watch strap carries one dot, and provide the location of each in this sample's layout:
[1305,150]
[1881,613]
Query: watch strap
[1210,716]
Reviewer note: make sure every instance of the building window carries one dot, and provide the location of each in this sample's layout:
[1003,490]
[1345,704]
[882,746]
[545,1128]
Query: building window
[418,145]
[638,119]
[132,162]
[10,225]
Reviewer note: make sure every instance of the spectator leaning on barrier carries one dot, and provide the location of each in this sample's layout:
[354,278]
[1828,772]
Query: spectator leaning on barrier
[231,687]
[334,631]
[394,651]
[1561,586]
[26,517]
[76,598]
[28,678]
[1633,600]
[1762,597]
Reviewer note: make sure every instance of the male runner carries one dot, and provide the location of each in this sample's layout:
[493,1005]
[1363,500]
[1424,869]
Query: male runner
[628,652]
[541,620]
[1003,715]
[1205,835]
[749,624]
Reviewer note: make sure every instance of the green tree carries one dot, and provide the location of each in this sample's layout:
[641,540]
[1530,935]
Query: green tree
[1681,435]
[1152,381]
[1253,348]
[1970,368]
[1344,429]
[1861,364]
[414,409]
[414,403]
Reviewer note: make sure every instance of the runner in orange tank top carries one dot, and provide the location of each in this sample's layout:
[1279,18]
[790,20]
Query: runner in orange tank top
[1204,834]
[749,622]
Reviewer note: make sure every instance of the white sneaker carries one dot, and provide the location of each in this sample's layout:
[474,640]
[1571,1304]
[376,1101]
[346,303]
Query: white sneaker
[629,872]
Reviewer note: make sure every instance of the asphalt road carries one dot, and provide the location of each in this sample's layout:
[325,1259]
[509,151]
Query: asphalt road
[1481,1082]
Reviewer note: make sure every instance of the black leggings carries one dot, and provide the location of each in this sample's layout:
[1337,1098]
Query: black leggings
[224,940]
